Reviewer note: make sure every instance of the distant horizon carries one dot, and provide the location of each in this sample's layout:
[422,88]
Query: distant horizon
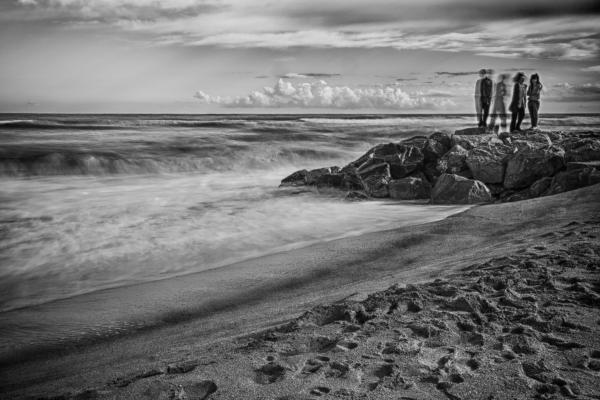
[284,113]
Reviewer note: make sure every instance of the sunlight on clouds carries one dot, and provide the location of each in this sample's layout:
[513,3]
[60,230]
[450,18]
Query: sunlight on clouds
[320,94]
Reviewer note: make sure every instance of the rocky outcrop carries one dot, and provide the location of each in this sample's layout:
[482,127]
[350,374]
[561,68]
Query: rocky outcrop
[456,189]
[471,166]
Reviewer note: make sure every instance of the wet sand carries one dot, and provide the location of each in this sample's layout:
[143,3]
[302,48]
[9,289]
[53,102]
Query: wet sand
[203,341]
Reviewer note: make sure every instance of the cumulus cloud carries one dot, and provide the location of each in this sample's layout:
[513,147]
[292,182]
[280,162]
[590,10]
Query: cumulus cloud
[320,94]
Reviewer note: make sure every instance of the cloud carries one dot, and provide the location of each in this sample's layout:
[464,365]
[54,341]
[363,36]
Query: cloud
[580,92]
[114,10]
[537,29]
[594,68]
[319,94]
[462,73]
[303,75]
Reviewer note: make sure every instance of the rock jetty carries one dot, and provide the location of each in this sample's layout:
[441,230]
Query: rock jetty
[470,166]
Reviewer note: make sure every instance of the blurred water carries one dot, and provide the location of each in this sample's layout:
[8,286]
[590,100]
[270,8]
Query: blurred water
[89,202]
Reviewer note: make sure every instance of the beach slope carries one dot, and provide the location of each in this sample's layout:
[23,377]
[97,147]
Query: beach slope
[513,314]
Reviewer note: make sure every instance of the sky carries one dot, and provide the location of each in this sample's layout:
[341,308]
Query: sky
[284,56]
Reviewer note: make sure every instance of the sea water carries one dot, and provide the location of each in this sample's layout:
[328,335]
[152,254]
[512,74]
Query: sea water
[89,202]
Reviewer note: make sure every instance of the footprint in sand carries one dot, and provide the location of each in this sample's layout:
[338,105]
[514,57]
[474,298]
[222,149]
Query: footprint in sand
[269,373]
[320,390]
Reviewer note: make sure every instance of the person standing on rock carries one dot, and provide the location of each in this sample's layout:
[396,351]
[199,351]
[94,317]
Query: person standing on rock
[499,106]
[517,104]
[486,97]
[535,88]
[478,95]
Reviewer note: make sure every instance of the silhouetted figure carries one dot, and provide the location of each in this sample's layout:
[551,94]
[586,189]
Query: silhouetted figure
[486,97]
[517,104]
[535,88]
[478,95]
[499,106]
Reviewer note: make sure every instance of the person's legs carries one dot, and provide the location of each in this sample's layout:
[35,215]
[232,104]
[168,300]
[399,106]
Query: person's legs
[533,112]
[520,116]
[485,108]
[502,114]
[513,120]
[478,108]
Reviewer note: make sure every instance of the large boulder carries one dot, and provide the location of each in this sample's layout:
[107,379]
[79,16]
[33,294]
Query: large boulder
[574,179]
[410,188]
[314,175]
[375,179]
[297,178]
[487,163]
[470,141]
[581,149]
[455,189]
[540,187]
[530,138]
[416,141]
[407,160]
[436,146]
[531,163]
[454,161]
[350,179]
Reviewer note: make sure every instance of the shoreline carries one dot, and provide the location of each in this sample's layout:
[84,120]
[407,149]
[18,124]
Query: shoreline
[350,267]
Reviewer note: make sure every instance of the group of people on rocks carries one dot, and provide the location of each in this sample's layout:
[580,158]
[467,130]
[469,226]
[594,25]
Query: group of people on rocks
[490,96]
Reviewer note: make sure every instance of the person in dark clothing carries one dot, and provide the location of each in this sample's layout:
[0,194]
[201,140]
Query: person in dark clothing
[517,105]
[478,96]
[486,98]
[535,88]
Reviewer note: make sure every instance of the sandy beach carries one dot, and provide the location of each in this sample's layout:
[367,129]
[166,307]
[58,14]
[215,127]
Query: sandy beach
[222,338]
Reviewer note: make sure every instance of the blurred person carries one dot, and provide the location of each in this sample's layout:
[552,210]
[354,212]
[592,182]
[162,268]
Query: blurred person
[517,104]
[485,97]
[478,95]
[533,93]
[499,106]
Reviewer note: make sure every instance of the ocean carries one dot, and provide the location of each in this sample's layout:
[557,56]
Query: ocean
[89,202]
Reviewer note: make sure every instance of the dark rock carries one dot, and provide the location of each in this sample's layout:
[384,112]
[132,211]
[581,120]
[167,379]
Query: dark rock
[410,188]
[470,141]
[298,178]
[453,161]
[487,163]
[375,179]
[356,195]
[408,159]
[540,187]
[574,179]
[471,131]
[532,163]
[581,149]
[313,176]
[416,141]
[443,137]
[431,172]
[454,189]
[573,165]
